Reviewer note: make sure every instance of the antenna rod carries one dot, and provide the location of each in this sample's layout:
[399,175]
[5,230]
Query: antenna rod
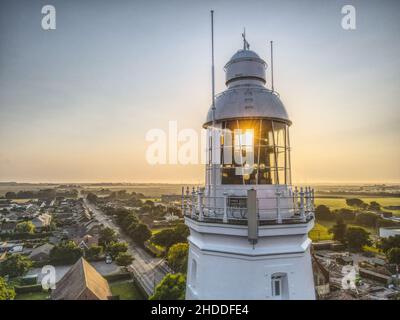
[272,66]
[212,67]
[244,38]
[213,156]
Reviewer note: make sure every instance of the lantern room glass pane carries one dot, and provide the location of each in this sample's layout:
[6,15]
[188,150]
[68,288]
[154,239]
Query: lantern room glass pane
[261,147]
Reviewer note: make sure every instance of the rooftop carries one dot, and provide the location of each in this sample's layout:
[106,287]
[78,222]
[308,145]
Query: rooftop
[82,282]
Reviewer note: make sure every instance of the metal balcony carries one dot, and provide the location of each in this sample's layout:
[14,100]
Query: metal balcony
[295,206]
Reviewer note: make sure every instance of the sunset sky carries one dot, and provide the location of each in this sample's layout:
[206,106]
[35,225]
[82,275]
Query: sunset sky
[76,102]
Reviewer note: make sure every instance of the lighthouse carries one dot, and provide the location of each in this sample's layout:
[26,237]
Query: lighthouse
[248,226]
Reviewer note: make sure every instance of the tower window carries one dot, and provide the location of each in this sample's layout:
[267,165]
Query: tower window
[193,274]
[276,286]
[279,286]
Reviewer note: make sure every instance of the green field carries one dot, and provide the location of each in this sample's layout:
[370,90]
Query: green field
[384,202]
[24,187]
[320,233]
[332,203]
[320,230]
[157,230]
[126,290]
[42,295]
[152,191]
[329,224]
[338,203]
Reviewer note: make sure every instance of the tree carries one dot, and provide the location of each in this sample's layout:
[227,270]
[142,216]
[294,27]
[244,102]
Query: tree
[114,248]
[393,256]
[374,206]
[322,212]
[91,197]
[128,221]
[358,203]
[6,292]
[26,195]
[149,203]
[141,233]
[94,252]
[367,219]
[389,243]
[65,253]
[124,259]
[106,236]
[11,195]
[339,230]
[384,223]
[169,237]
[177,257]
[356,238]
[25,227]
[165,238]
[346,214]
[172,287]
[182,230]
[387,214]
[15,265]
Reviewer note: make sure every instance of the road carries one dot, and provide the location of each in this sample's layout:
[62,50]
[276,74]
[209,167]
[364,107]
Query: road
[148,269]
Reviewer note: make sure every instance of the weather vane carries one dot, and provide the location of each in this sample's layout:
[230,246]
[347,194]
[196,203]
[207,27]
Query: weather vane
[246,45]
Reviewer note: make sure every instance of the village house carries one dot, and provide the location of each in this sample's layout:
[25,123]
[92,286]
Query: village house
[82,282]
[86,241]
[41,253]
[8,227]
[41,221]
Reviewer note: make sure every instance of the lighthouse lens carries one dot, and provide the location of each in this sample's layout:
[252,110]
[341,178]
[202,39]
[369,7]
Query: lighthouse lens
[265,142]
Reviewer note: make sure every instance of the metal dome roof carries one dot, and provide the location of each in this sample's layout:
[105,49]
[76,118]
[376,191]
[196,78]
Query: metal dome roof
[246,96]
[245,64]
[248,102]
[244,54]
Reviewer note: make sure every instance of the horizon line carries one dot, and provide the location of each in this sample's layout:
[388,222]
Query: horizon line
[197,182]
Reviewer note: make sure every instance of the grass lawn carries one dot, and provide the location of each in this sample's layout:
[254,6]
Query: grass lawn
[372,249]
[126,290]
[384,202]
[320,233]
[157,230]
[338,203]
[156,249]
[329,224]
[332,203]
[42,295]
[151,199]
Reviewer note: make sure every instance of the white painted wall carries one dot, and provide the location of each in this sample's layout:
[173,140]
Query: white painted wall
[229,268]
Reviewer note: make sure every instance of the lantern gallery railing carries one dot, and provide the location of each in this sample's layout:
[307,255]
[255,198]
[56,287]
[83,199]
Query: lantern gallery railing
[292,206]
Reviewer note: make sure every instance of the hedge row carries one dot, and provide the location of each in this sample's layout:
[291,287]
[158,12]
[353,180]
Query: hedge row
[118,276]
[24,236]
[28,289]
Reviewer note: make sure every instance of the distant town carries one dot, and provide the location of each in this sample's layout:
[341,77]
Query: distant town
[131,241]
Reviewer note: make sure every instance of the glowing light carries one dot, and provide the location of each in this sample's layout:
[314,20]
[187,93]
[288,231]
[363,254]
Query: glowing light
[244,139]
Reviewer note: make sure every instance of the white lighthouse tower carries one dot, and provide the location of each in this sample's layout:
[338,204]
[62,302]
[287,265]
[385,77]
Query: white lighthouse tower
[249,226]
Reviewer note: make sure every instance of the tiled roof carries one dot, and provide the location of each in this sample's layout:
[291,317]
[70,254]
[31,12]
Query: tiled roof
[82,282]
